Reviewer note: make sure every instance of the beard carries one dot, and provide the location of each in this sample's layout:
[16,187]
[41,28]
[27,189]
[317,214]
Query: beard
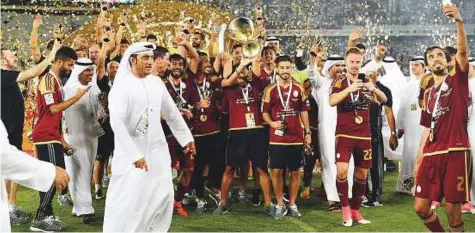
[285,76]
[64,73]
[176,75]
[439,71]
[208,71]
[195,45]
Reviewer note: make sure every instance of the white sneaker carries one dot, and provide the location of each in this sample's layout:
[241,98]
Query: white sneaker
[348,223]
[201,206]
[294,211]
[64,200]
[189,197]
[216,197]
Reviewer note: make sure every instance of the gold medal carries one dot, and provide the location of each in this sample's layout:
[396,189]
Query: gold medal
[203,118]
[358,120]
[431,136]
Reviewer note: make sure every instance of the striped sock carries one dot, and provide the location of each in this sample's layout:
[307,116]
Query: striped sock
[433,223]
[458,228]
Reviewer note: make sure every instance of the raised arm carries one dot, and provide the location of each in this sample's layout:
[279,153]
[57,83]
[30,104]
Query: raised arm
[35,71]
[354,36]
[453,12]
[338,97]
[227,82]
[190,51]
[35,40]
[118,37]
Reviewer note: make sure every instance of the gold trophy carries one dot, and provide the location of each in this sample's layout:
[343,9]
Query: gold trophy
[241,31]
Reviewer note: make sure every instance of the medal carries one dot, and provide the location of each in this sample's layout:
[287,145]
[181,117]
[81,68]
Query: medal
[358,120]
[203,118]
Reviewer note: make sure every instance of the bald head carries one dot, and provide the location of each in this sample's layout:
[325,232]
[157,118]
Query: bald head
[94,53]
[9,60]
[112,68]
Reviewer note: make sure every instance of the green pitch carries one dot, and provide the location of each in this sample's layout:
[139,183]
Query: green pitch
[395,215]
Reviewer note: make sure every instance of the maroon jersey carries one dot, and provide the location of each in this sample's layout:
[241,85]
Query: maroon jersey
[293,133]
[349,110]
[267,77]
[450,131]
[205,121]
[235,104]
[183,90]
[313,113]
[47,128]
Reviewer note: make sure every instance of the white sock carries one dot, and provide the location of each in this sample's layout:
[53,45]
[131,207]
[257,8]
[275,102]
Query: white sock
[97,186]
[12,207]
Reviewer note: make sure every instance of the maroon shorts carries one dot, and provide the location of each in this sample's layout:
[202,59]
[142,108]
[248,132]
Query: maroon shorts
[177,155]
[445,175]
[361,150]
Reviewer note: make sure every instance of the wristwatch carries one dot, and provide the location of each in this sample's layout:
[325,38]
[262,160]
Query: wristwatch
[393,133]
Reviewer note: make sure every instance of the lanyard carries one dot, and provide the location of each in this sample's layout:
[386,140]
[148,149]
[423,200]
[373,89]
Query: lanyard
[201,90]
[273,78]
[353,99]
[286,103]
[245,93]
[179,92]
[436,104]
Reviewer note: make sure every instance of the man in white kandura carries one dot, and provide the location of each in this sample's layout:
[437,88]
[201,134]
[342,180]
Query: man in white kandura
[140,194]
[470,206]
[26,171]
[332,70]
[408,123]
[82,132]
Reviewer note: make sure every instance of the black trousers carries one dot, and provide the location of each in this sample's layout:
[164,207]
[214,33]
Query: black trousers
[311,160]
[208,153]
[374,189]
[52,153]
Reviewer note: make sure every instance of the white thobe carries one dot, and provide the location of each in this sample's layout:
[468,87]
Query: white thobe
[139,200]
[471,133]
[80,118]
[22,169]
[394,83]
[408,119]
[327,117]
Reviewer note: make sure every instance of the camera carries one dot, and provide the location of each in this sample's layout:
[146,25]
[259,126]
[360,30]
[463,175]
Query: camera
[362,77]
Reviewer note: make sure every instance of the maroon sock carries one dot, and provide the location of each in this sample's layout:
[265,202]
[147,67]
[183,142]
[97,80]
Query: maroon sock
[359,188]
[342,188]
[457,228]
[433,223]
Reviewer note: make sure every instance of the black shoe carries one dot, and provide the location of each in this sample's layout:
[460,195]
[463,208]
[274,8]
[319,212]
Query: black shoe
[99,194]
[88,218]
[256,194]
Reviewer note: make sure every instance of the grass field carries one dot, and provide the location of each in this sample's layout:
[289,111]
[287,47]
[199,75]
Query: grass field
[395,215]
